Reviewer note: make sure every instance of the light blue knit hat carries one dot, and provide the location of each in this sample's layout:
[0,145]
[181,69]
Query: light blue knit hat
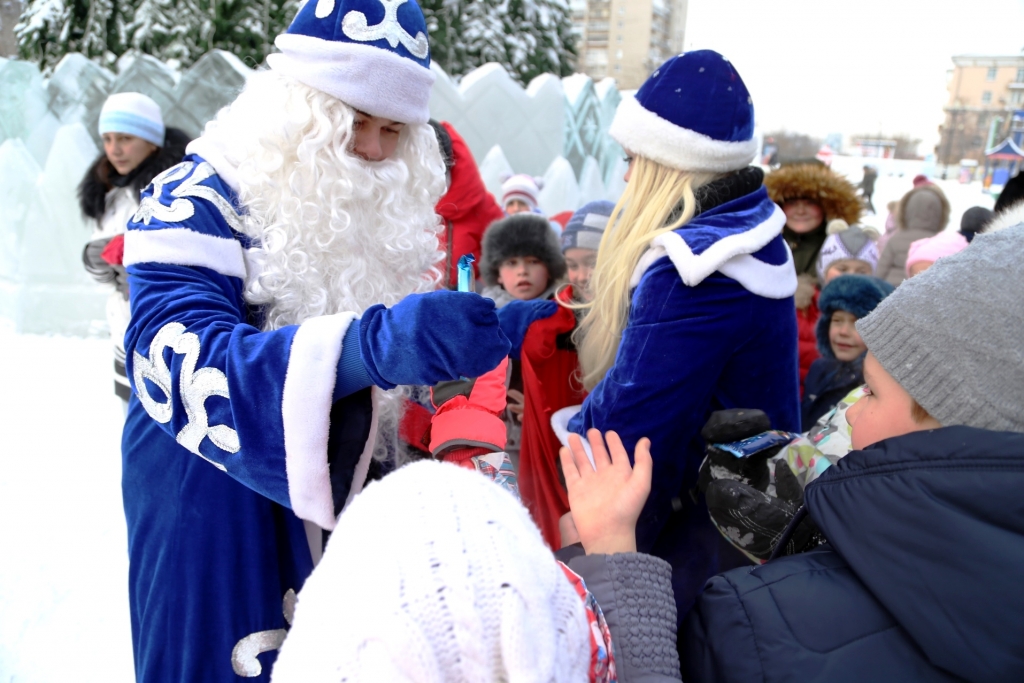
[135,114]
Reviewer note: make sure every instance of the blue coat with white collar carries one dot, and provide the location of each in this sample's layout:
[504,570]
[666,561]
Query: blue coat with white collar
[711,326]
[236,452]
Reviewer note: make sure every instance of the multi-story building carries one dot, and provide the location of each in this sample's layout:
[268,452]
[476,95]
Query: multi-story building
[985,94]
[627,39]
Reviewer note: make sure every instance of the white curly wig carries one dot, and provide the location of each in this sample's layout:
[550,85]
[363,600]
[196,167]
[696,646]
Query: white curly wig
[333,232]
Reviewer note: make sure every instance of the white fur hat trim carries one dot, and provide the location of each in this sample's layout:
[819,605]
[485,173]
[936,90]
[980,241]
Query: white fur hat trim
[374,81]
[644,133]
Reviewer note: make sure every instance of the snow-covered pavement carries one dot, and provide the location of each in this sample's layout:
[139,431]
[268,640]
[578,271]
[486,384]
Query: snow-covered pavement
[63,545]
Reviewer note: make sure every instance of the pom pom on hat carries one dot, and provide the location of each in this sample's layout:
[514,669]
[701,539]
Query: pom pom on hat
[135,114]
[847,241]
[586,227]
[373,55]
[931,249]
[523,187]
[436,574]
[692,114]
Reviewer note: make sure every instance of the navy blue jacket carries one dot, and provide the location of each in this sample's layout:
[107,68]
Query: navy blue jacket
[828,382]
[921,579]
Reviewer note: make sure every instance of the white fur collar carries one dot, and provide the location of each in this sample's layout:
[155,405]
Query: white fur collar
[730,255]
[1007,219]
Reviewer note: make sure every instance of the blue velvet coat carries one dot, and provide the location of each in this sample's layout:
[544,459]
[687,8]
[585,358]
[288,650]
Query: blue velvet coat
[236,453]
[920,580]
[711,326]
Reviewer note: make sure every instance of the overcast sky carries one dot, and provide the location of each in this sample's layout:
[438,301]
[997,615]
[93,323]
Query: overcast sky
[823,66]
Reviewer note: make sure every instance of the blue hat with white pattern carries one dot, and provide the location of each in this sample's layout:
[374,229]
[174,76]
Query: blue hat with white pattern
[373,55]
[693,113]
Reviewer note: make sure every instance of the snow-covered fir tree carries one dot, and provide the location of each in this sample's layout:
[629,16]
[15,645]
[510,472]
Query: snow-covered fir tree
[49,29]
[177,32]
[527,37]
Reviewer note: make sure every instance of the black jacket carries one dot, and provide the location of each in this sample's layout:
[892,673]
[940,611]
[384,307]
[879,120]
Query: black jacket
[920,581]
[828,381]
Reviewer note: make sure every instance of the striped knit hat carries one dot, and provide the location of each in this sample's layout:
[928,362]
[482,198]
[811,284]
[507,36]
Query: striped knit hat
[135,114]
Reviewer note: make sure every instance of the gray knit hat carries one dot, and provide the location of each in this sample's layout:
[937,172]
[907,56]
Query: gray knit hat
[951,336]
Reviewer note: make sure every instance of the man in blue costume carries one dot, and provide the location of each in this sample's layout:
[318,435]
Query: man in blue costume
[282,283]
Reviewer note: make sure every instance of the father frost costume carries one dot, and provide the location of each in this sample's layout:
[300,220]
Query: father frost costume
[260,268]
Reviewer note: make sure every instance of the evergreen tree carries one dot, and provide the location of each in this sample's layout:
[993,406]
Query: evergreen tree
[527,37]
[49,29]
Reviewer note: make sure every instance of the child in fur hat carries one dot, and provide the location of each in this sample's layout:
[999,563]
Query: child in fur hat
[810,194]
[844,300]
[521,259]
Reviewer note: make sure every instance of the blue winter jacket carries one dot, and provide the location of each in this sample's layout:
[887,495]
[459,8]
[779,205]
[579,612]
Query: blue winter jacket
[710,326]
[920,581]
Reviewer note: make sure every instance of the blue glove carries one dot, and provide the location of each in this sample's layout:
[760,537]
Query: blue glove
[516,317]
[429,338]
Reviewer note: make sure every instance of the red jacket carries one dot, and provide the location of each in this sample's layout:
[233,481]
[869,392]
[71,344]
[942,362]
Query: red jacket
[549,366]
[807,340]
[467,205]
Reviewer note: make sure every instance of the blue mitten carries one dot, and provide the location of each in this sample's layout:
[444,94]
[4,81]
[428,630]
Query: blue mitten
[429,338]
[517,316]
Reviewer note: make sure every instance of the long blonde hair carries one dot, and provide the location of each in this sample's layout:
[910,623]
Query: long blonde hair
[651,198]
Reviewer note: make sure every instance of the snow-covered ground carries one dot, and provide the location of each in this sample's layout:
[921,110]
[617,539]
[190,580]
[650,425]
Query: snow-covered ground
[63,547]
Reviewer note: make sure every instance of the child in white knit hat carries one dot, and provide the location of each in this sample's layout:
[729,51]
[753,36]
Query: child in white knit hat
[436,574]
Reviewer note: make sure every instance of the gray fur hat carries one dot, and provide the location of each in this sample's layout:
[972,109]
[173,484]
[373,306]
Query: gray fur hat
[951,335]
[522,234]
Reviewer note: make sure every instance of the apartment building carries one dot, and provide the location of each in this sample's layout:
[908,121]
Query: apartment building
[986,93]
[627,39]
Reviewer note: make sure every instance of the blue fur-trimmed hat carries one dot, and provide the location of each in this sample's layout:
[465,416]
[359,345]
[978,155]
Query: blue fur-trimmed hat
[373,55]
[693,114]
[586,227]
[856,294]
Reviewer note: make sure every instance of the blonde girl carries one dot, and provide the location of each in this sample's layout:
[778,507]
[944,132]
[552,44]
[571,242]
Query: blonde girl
[693,298]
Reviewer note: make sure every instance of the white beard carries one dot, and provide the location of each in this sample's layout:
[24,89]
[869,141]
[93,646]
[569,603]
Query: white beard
[333,233]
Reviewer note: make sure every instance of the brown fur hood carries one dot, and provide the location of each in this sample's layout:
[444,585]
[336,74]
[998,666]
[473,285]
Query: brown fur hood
[916,213]
[817,182]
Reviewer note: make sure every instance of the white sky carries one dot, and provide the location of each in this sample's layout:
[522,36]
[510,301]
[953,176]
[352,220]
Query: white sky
[823,66]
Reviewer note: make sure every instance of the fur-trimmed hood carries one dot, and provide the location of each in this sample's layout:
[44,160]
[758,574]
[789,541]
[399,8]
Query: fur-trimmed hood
[917,212]
[1008,218]
[522,234]
[817,182]
[92,191]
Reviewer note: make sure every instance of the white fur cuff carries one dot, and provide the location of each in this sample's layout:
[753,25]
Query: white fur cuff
[306,415]
[644,133]
[184,247]
[374,81]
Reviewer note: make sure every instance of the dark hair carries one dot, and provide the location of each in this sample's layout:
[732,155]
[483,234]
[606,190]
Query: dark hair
[444,142]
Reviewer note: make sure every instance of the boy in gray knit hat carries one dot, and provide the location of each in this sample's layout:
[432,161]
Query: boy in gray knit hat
[946,347]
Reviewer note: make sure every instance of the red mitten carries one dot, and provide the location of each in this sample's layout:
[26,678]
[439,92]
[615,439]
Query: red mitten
[467,421]
[113,253]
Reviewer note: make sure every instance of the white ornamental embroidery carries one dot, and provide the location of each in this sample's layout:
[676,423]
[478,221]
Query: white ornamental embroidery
[182,208]
[194,385]
[354,26]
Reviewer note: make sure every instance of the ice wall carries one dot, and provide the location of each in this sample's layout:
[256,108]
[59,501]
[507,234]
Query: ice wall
[555,128]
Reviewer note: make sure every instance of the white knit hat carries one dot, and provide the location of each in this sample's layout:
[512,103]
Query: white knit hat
[436,574]
[522,187]
[135,114]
